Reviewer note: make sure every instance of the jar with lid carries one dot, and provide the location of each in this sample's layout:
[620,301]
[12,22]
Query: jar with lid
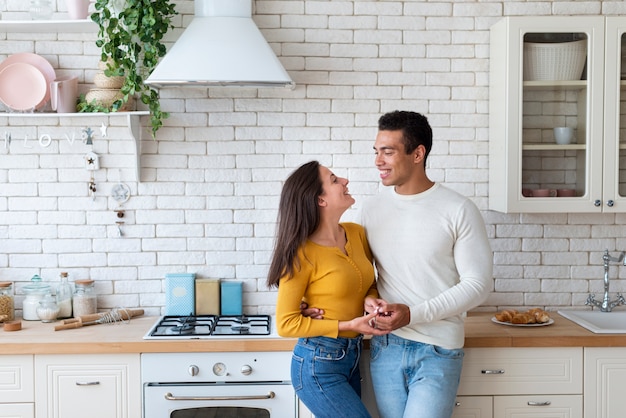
[35,291]
[48,309]
[7,302]
[84,301]
[41,9]
[64,296]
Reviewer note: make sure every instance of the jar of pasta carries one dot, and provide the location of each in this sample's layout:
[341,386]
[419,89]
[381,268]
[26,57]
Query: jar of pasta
[7,302]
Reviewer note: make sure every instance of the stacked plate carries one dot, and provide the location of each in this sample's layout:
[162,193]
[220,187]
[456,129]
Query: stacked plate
[25,81]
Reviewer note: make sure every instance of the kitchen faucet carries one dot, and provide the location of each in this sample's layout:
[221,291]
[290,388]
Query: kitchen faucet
[606,305]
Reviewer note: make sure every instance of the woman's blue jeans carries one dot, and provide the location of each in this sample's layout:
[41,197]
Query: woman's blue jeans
[413,379]
[325,375]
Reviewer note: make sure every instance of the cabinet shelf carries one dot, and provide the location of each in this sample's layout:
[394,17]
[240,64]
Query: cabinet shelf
[553,147]
[44,26]
[556,85]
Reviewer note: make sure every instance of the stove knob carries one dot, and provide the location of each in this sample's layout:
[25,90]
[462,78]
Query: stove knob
[193,370]
[246,370]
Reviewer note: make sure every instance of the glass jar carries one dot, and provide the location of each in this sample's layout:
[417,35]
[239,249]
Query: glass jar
[40,9]
[7,302]
[35,291]
[48,309]
[64,297]
[84,301]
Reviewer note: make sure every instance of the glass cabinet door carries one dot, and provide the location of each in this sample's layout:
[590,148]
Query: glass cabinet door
[614,188]
[546,114]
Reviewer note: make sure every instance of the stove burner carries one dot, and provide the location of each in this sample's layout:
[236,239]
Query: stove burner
[240,329]
[184,329]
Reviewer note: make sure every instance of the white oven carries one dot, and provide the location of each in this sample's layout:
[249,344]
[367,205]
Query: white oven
[207,385]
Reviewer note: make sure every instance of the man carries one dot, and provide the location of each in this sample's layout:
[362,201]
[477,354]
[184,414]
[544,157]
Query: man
[434,263]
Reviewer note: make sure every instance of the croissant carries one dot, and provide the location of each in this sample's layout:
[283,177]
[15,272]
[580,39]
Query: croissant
[523,318]
[506,315]
[540,315]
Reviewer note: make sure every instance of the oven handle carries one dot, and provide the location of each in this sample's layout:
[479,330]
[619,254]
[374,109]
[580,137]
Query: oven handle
[171,397]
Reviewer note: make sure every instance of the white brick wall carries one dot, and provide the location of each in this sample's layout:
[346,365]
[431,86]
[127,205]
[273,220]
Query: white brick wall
[211,180]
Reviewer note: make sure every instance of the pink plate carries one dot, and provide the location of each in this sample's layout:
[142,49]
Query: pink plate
[22,86]
[39,62]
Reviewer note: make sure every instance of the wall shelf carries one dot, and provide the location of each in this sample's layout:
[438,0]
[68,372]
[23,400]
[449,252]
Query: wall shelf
[45,26]
[133,120]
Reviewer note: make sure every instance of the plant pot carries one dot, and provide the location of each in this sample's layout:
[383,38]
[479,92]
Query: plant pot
[106,98]
[103,82]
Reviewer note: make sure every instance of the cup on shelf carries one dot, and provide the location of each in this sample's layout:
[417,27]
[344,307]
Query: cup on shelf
[566,192]
[544,193]
[563,135]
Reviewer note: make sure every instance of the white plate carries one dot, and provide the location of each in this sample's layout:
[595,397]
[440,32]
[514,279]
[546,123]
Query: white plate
[22,86]
[550,322]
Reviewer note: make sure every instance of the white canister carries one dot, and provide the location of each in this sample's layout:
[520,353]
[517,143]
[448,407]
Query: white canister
[35,291]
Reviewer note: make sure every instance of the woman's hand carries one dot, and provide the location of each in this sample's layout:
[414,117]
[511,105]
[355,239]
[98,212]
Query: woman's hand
[363,325]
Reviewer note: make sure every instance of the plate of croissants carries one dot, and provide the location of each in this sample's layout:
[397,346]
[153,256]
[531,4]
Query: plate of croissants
[535,317]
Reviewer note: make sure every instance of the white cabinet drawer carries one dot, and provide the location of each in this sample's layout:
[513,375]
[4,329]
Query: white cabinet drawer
[544,406]
[16,379]
[473,407]
[17,410]
[517,371]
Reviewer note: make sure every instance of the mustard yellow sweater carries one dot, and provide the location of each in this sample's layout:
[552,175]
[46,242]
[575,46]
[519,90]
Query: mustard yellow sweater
[330,280]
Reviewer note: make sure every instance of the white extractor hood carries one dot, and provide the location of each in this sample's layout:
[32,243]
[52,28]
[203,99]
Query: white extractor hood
[221,47]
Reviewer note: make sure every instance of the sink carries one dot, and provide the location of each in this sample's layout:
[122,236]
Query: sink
[597,321]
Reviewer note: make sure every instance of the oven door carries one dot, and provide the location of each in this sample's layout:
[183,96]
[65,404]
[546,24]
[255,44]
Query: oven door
[240,400]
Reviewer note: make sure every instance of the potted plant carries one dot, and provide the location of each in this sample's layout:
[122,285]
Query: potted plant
[130,36]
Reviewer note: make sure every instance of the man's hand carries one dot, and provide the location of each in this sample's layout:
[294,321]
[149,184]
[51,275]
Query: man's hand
[314,313]
[394,316]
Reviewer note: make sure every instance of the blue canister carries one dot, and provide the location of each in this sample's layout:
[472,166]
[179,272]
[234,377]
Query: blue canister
[231,298]
[180,294]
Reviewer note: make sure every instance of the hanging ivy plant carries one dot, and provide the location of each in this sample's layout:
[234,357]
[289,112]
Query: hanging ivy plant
[130,36]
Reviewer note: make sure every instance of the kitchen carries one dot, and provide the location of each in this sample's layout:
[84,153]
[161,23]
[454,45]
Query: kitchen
[206,196]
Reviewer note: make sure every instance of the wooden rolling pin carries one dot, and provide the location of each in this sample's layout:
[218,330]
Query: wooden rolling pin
[98,318]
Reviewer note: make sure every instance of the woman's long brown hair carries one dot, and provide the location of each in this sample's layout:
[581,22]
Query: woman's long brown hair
[298,217]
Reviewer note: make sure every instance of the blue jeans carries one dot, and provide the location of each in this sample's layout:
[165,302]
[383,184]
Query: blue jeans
[325,375]
[413,379]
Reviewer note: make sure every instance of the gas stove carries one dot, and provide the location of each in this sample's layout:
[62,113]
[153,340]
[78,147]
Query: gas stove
[190,327]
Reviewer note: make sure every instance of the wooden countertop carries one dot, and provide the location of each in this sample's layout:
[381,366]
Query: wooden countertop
[480,331]
[39,338]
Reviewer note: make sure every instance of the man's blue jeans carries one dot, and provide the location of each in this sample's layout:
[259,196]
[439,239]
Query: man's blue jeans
[325,375]
[413,379]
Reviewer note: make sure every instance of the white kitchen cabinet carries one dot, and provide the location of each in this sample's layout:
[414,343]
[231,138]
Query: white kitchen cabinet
[473,407]
[17,387]
[93,385]
[523,153]
[605,380]
[542,382]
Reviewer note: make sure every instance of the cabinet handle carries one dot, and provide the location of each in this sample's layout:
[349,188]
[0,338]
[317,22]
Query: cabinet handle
[87,383]
[610,203]
[533,403]
[597,202]
[492,371]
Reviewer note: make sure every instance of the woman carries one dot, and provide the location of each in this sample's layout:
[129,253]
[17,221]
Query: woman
[328,265]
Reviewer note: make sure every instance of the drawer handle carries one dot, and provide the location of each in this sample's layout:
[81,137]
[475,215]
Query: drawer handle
[533,403]
[492,371]
[87,383]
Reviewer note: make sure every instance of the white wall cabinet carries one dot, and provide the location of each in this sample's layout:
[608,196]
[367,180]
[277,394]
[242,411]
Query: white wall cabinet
[605,380]
[17,387]
[524,109]
[513,382]
[97,386]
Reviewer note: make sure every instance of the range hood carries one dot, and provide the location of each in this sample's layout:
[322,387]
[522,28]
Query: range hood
[221,47]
